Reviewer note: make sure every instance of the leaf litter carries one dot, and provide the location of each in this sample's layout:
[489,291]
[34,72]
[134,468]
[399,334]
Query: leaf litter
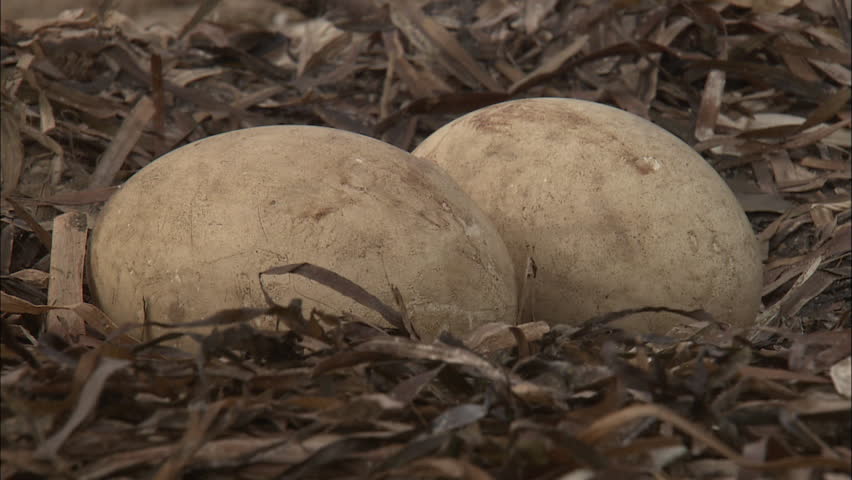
[89,96]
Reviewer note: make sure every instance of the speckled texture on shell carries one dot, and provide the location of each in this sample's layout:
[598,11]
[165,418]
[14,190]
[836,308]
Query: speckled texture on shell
[621,214]
[190,232]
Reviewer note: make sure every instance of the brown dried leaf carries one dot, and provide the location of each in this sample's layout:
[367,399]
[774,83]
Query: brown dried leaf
[805,292]
[81,197]
[67,261]
[440,45]
[407,390]
[36,278]
[603,426]
[760,74]
[494,336]
[204,9]
[457,103]
[826,164]
[420,84]
[830,347]
[12,153]
[819,133]
[340,285]
[193,439]
[763,202]
[319,41]
[123,142]
[778,374]
[711,100]
[839,74]
[97,107]
[86,403]
[765,6]
[364,16]
[819,403]
[788,175]
[43,235]
[492,12]
[12,304]
[42,138]
[442,467]
[403,348]
[10,340]
[550,66]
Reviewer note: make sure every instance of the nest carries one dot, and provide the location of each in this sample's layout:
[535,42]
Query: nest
[760,89]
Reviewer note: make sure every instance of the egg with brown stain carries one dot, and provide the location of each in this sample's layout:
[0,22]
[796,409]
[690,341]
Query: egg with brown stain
[616,212]
[188,234]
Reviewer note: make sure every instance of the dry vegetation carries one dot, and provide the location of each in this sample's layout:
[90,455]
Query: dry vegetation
[761,89]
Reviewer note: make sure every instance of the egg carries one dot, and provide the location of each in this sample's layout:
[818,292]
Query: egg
[188,234]
[616,212]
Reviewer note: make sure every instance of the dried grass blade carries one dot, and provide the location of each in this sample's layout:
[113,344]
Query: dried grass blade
[341,285]
[403,348]
[711,100]
[12,304]
[418,85]
[125,139]
[841,16]
[828,108]
[192,441]
[8,338]
[813,136]
[804,293]
[42,138]
[204,9]
[494,336]
[551,65]
[88,400]
[407,390]
[765,74]
[81,197]
[609,423]
[98,107]
[779,374]
[158,94]
[67,260]
[43,235]
[46,118]
[434,40]
[12,151]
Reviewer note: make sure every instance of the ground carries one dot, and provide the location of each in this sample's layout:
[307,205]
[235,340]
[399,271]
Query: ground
[760,89]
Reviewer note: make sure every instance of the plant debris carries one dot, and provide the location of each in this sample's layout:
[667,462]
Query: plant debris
[90,96]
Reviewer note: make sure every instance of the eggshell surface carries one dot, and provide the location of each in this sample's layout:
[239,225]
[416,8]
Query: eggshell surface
[616,212]
[189,233]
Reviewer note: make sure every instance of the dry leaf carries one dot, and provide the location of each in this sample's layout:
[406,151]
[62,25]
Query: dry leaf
[841,375]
